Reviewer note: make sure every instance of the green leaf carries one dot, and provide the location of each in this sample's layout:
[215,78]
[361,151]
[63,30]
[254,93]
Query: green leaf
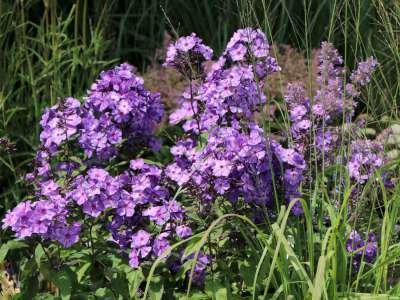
[216,290]
[319,280]
[292,258]
[10,245]
[150,162]
[194,296]
[119,284]
[39,253]
[82,270]
[64,284]
[156,289]
[135,278]
[46,296]
[29,287]
[104,293]
[246,270]
[192,246]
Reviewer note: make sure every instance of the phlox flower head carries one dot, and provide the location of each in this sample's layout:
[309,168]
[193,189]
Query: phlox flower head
[119,108]
[187,55]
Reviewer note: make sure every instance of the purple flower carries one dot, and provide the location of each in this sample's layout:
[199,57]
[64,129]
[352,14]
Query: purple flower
[60,123]
[365,158]
[133,259]
[126,207]
[67,235]
[140,239]
[361,249]
[221,185]
[200,268]
[71,186]
[93,208]
[371,248]
[118,106]
[45,210]
[221,168]
[160,244]
[187,54]
[49,188]
[247,43]
[157,214]
[362,75]
[183,231]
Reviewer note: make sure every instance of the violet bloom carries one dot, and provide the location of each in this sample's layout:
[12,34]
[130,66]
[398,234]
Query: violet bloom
[332,104]
[140,239]
[118,112]
[140,186]
[60,123]
[232,89]
[361,249]
[183,231]
[362,75]
[238,163]
[187,54]
[27,218]
[67,235]
[365,158]
[133,259]
[221,168]
[200,268]
[118,107]
[157,214]
[19,220]
[141,243]
[160,244]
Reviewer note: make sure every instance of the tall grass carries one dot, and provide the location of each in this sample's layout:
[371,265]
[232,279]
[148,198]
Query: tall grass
[42,56]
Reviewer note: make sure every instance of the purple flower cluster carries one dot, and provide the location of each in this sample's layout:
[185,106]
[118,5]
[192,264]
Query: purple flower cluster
[317,127]
[46,218]
[362,75]
[237,161]
[140,199]
[234,164]
[199,273]
[300,115]
[314,123]
[292,166]
[79,179]
[187,55]
[133,200]
[232,89]
[228,166]
[246,45]
[60,123]
[365,158]
[118,111]
[69,189]
[130,201]
[119,108]
[361,250]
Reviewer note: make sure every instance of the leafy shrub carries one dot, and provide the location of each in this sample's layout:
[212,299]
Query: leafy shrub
[107,199]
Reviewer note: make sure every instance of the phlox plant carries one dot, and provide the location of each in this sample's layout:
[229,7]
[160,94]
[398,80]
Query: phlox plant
[117,212]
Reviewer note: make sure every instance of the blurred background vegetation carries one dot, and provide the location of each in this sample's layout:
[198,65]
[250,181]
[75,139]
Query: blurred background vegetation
[51,49]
